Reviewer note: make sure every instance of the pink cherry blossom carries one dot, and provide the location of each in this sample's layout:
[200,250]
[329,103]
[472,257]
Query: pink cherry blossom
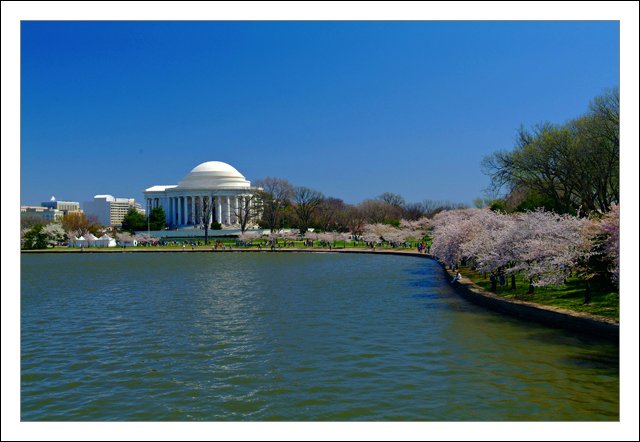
[610,226]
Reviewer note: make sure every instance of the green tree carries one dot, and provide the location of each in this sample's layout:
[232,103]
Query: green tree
[35,238]
[574,165]
[534,201]
[133,221]
[157,218]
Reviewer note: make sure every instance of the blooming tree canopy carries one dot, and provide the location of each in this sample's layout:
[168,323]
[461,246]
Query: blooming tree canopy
[541,246]
[610,226]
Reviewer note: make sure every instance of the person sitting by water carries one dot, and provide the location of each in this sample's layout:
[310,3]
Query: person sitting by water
[457,278]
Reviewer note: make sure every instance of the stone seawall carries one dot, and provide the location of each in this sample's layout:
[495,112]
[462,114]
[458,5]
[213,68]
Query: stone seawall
[599,326]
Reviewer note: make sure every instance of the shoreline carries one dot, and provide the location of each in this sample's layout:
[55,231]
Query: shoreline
[595,325]
[411,252]
[599,326]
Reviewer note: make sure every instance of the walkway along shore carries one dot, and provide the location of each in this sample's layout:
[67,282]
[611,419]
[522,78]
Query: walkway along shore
[598,326]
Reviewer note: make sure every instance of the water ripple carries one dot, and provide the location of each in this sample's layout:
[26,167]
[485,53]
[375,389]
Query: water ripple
[288,337]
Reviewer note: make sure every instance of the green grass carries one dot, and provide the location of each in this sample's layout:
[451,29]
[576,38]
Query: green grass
[604,302]
[232,243]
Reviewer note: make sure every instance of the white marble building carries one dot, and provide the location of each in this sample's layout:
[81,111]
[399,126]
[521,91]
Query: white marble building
[213,180]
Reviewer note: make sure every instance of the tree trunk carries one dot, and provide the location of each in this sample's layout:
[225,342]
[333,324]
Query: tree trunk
[513,281]
[587,293]
[530,291]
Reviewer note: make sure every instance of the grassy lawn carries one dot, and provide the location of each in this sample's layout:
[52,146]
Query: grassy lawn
[232,243]
[604,302]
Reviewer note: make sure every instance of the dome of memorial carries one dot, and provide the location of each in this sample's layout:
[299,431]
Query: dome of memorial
[214,174]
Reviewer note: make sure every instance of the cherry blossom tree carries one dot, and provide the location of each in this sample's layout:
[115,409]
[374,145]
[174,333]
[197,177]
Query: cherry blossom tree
[415,230]
[610,226]
[124,238]
[330,237]
[23,232]
[290,235]
[452,228]
[486,247]
[273,236]
[311,236]
[345,237]
[143,238]
[546,246]
[541,246]
[72,235]
[249,236]
[373,233]
[54,232]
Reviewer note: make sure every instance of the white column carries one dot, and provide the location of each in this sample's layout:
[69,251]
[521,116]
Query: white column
[210,210]
[234,209]
[194,206]
[245,205]
[193,209]
[228,205]
[179,211]
[218,210]
[200,200]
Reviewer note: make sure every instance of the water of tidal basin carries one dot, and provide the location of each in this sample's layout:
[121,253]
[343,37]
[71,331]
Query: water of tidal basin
[283,336]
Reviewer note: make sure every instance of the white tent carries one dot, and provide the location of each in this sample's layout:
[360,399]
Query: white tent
[79,241]
[91,240]
[105,241]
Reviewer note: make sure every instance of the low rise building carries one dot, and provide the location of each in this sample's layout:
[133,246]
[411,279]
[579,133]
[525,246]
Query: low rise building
[66,206]
[46,213]
[109,210]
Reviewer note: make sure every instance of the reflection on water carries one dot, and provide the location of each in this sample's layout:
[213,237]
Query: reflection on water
[278,336]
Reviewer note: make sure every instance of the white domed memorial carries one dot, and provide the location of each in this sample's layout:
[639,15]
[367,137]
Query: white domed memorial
[214,184]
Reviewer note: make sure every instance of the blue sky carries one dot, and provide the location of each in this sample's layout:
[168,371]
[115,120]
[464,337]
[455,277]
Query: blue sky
[352,109]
